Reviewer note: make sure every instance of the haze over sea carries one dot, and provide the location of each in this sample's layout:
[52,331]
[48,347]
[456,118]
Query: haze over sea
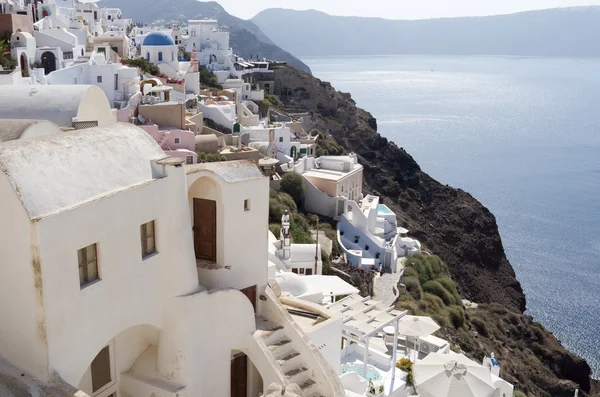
[522,135]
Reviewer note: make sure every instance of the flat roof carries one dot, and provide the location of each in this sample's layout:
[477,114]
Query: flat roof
[326,174]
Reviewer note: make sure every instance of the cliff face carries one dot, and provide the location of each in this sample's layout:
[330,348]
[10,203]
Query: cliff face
[454,225]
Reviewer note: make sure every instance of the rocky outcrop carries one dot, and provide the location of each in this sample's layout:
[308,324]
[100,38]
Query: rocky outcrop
[452,224]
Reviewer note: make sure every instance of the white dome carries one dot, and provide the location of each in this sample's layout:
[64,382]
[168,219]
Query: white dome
[291,283]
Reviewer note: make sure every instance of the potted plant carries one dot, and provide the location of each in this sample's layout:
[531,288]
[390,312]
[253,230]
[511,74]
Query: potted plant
[372,391]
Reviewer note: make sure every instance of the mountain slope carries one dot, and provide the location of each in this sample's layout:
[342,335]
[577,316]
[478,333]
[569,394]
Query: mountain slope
[554,32]
[242,31]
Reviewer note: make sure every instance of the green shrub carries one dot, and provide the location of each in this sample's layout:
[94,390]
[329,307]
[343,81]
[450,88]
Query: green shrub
[405,365]
[411,272]
[275,228]
[434,287]
[293,184]
[208,79]
[143,64]
[449,285]
[413,287]
[288,202]
[326,263]
[479,326]
[300,230]
[457,316]
[434,303]
[519,393]
[276,210]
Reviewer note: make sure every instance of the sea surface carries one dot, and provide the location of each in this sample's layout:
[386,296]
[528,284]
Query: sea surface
[523,136]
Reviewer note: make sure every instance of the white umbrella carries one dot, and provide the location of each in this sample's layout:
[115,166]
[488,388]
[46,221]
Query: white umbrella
[417,326]
[452,375]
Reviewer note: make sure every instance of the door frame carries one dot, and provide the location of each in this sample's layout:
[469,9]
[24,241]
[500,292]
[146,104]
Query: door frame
[196,221]
[239,374]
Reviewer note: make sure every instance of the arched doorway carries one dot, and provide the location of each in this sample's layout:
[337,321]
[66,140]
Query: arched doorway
[48,62]
[24,66]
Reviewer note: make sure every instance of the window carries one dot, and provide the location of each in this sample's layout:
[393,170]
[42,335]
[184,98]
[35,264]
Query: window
[148,240]
[246,205]
[301,271]
[309,272]
[342,188]
[116,82]
[88,265]
[68,55]
[99,79]
[172,56]
[189,159]
[295,271]
[148,56]
[160,57]
[177,141]
[280,139]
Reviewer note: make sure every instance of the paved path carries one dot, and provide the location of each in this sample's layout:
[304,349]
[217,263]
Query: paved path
[385,287]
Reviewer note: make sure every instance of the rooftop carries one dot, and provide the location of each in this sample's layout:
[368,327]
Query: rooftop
[58,172]
[230,171]
[158,39]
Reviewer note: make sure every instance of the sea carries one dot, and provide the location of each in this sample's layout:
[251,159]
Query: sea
[520,134]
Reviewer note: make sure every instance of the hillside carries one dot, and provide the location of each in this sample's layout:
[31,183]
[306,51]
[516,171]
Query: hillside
[555,32]
[246,38]
[453,225]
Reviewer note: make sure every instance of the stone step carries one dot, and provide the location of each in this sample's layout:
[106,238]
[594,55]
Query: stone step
[308,387]
[280,348]
[291,360]
[274,336]
[297,375]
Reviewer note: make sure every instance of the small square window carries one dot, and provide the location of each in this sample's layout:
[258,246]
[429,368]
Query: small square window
[280,139]
[246,205]
[88,265]
[177,141]
[189,159]
[99,79]
[148,239]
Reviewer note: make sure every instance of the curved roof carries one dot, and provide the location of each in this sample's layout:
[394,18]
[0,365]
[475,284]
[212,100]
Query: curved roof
[292,283]
[57,172]
[158,39]
[230,171]
[56,103]
[11,130]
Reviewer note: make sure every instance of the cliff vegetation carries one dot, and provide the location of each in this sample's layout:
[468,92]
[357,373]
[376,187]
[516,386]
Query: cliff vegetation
[458,229]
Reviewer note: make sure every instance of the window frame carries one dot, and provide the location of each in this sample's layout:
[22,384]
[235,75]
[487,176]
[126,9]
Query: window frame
[144,237]
[247,206]
[99,79]
[160,56]
[84,264]
[177,140]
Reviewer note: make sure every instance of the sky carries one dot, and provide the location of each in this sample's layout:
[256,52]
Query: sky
[400,9]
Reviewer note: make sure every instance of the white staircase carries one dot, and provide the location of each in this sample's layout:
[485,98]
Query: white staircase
[289,360]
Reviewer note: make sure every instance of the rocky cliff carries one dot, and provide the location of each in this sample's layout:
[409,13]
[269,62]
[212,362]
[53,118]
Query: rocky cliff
[454,225]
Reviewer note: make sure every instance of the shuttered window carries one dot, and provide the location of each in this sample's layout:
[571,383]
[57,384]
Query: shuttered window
[88,265]
[148,239]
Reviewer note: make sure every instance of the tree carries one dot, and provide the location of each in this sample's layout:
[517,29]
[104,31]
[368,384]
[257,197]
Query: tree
[293,184]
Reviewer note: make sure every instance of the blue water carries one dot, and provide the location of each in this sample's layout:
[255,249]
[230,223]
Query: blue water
[384,209]
[523,136]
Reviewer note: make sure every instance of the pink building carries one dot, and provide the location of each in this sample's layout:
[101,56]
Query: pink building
[174,142]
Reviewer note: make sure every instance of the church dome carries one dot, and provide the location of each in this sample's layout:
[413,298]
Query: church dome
[158,39]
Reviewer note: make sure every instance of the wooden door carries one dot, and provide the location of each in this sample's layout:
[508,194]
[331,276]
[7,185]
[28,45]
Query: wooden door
[101,373]
[250,292]
[239,376]
[205,229]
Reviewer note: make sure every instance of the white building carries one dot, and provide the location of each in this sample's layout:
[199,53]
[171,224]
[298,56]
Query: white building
[160,49]
[212,44]
[330,181]
[76,106]
[135,275]
[118,82]
[368,233]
